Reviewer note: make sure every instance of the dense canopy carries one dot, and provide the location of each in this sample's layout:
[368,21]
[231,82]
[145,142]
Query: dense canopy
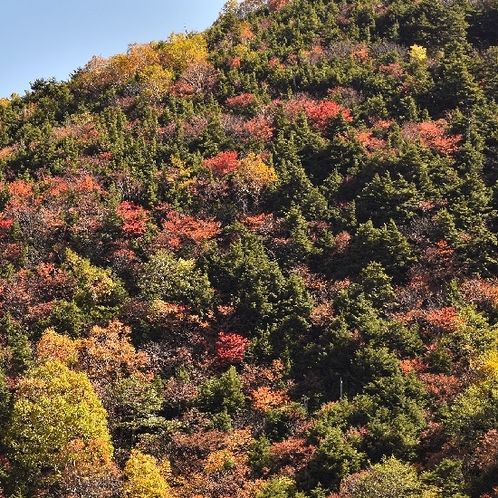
[258,261]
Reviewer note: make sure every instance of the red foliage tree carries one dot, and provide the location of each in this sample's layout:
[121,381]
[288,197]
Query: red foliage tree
[241,101]
[291,455]
[443,387]
[223,163]
[5,224]
[484,293]
[342,241]
[443,319]
[276,5]
[259,128]
[370,142]
[437,262]
[486,454]
[320,113]
[230,348]
[180,230]
[393,69]
[135,218]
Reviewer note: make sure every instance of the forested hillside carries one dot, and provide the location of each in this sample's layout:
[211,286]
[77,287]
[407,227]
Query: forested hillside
[259,261]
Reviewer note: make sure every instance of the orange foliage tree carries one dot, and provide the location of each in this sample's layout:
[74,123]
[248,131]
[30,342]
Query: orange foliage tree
[433,135]
[180,231]
[107,353]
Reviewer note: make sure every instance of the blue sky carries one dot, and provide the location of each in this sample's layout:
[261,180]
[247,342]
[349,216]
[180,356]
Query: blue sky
[53,38]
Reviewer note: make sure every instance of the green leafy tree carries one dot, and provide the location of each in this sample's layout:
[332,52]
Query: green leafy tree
[135,407]
[259,455]
[448,477]
[5,401]
[335,458]
[460,88]
[473,412]
[99,292]
[391,406]
[376,285]
[175,280]
[20,356]
[390,478]
[279,487]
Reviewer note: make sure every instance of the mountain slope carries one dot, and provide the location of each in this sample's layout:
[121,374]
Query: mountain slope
[271,248]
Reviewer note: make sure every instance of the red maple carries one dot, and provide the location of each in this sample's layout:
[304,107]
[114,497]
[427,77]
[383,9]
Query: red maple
[231,348]
[223,163]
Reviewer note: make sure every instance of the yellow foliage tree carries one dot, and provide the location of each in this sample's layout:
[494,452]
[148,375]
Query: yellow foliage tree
[144,477]
[106,353]
[252,176]
[182,50]
[487,364]
[219,461]
[154,81]
[418,54]
[143,54]
[58,424]
[120,68]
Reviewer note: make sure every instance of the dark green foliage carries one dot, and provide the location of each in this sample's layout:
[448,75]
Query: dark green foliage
[300,247]
[384,199]
[335,458]
[385,245]
[294,187]
[388,409]
[17,357]
[259,456]
[53,99]
[5,401]
[222,394]
[269,307]
[448,477]
[376,285]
